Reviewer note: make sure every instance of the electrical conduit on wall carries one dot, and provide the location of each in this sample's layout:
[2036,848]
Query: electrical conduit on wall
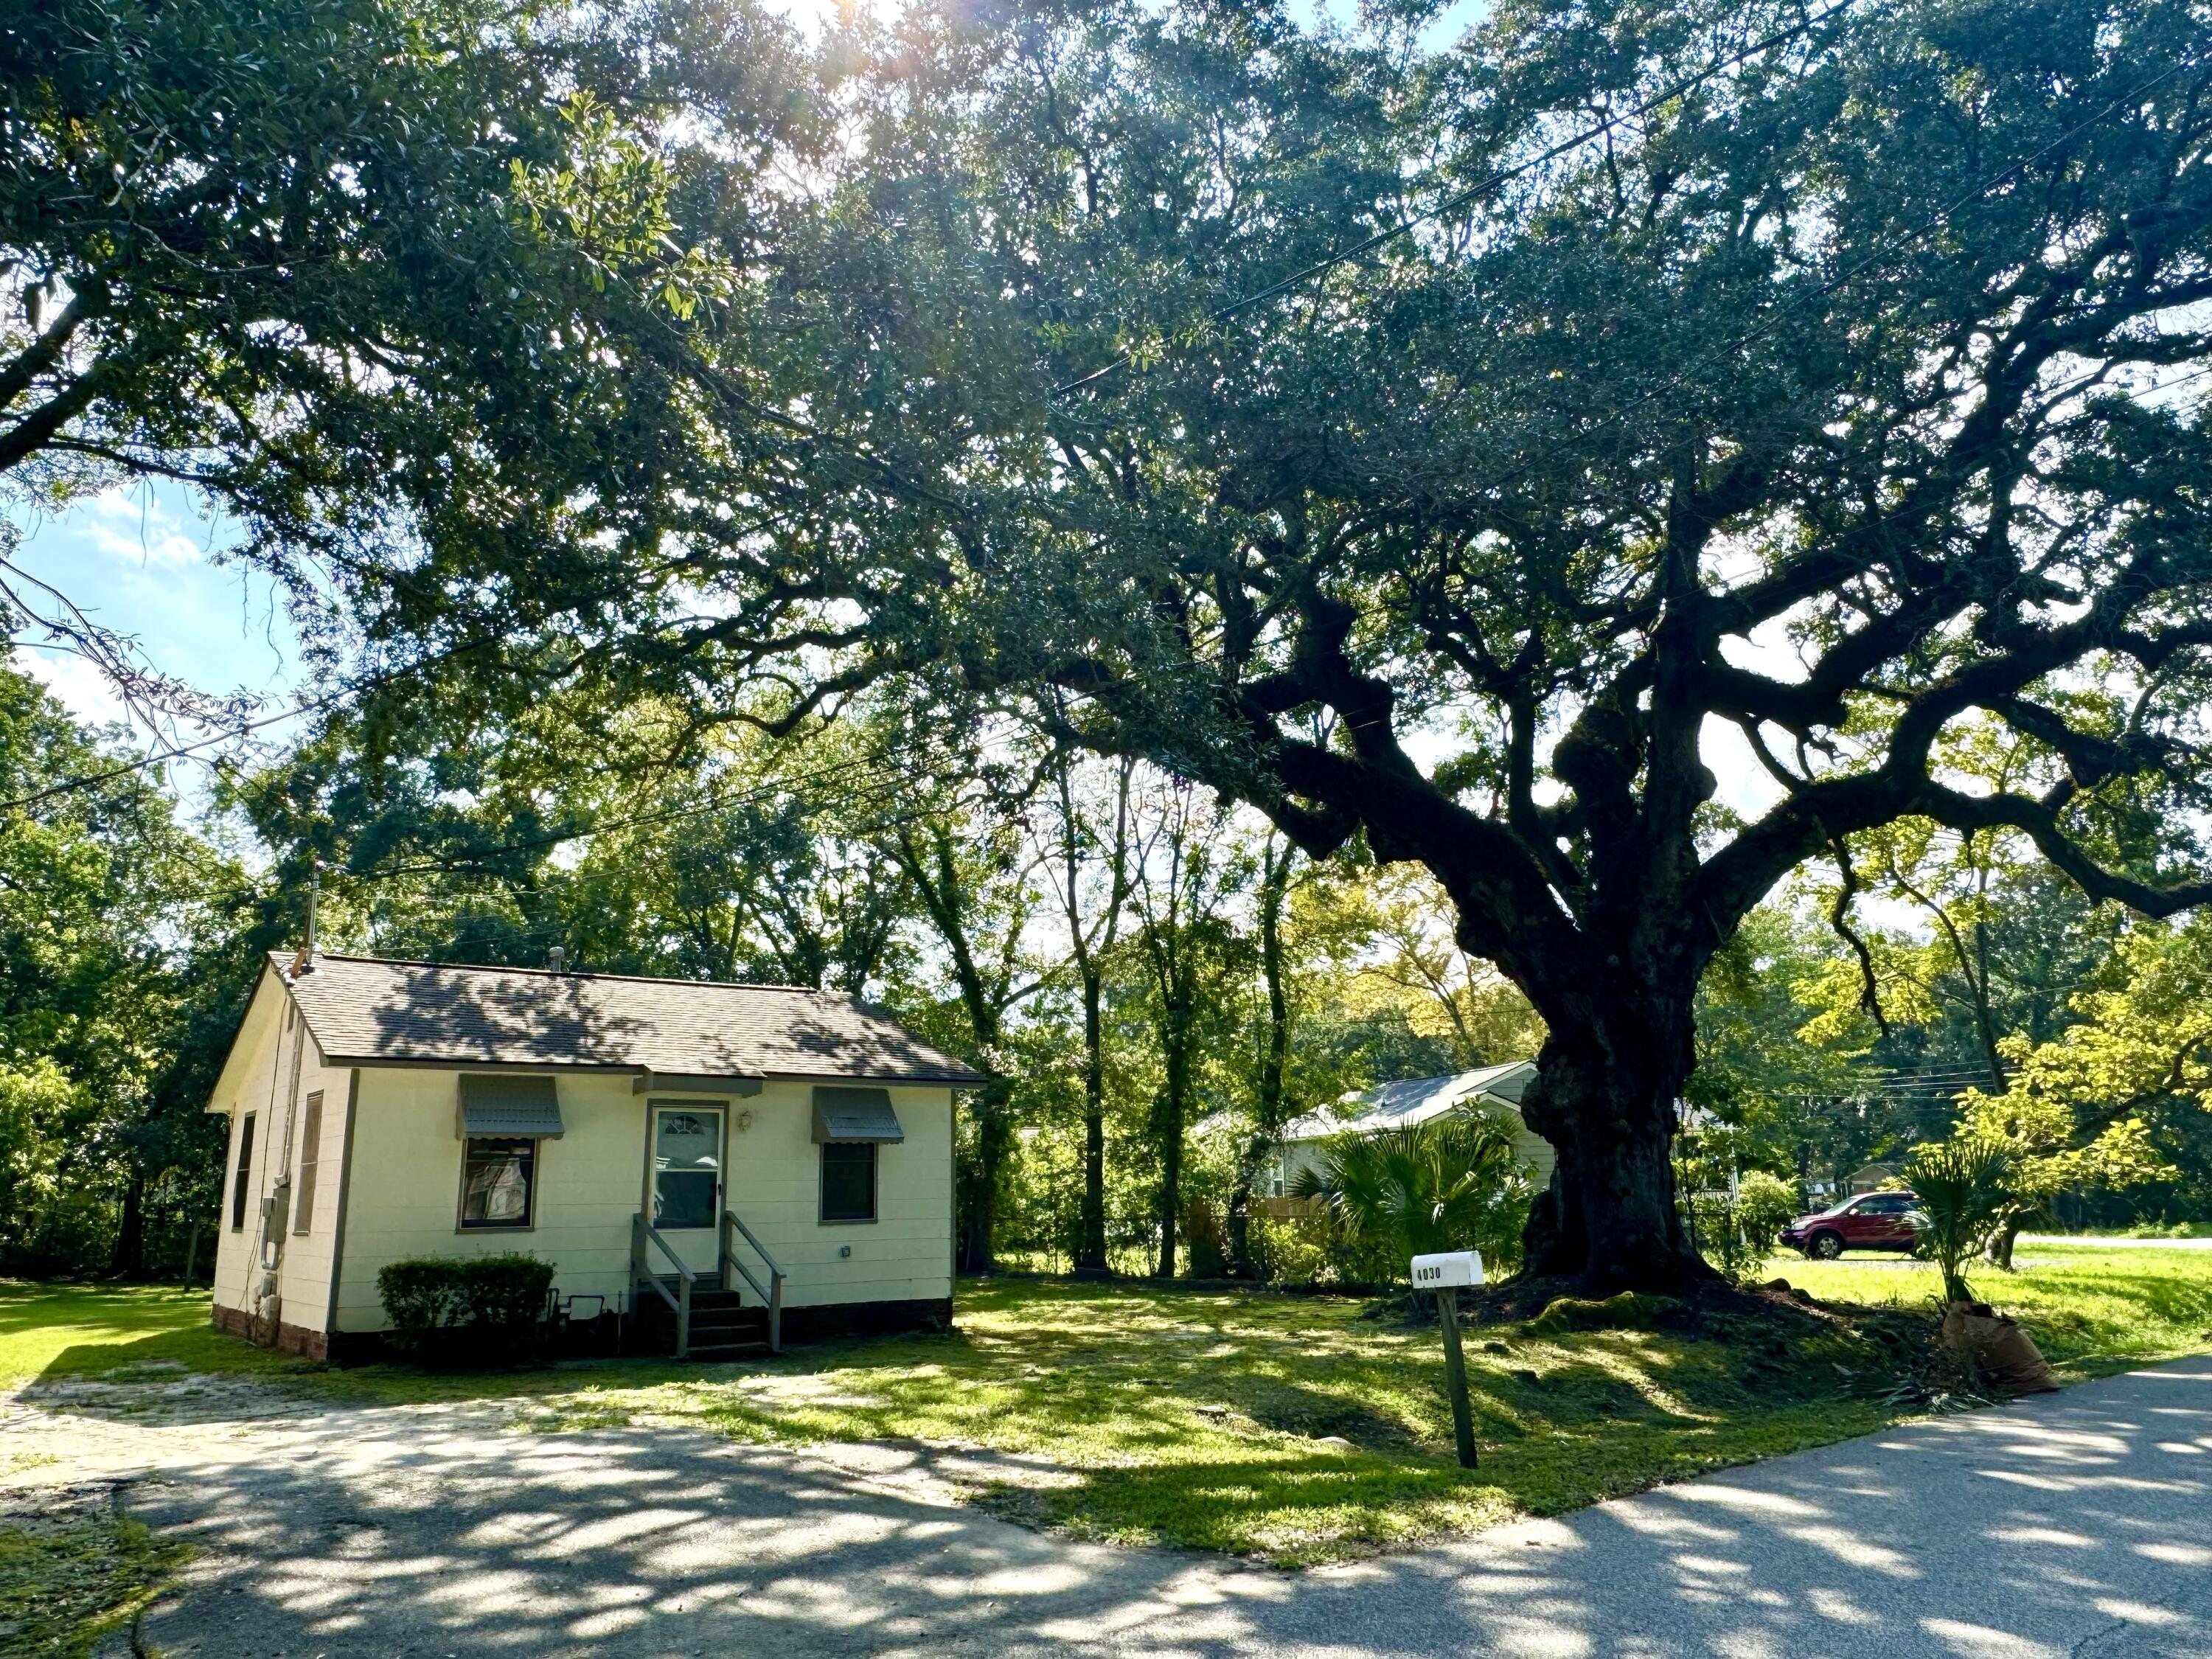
[267,1257]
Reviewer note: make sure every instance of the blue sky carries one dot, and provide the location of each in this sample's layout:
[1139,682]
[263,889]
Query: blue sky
[143,559]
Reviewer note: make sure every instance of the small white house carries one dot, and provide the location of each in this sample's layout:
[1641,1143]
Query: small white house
[781,1144]
[1495,1090]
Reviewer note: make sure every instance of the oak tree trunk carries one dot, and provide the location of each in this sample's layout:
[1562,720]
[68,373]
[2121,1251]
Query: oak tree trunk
[986,1173]
[1605,1098]
[1170,1111]
[128,1260]
[1274,1062]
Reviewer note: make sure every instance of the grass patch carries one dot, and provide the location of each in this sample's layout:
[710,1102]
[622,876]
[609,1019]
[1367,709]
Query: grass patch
[2091,1311]
[68,1578]
[1296,1430]
[52,1333]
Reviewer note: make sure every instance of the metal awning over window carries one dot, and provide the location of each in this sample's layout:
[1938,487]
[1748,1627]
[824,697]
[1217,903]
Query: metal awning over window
[495,1104]
[856,1114]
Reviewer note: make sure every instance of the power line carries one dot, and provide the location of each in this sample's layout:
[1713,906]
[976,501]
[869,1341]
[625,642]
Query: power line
[70,785]
[313,705]
[1489,185]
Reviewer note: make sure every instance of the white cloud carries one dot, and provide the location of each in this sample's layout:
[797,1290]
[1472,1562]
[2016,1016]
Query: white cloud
[128,523]
[76,683]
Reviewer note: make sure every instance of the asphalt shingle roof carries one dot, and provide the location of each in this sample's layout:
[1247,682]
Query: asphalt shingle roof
[363,1010]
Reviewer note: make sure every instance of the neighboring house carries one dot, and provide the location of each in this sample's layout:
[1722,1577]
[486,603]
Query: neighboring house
[385,1109]
[1495,1090]
[1871,1177]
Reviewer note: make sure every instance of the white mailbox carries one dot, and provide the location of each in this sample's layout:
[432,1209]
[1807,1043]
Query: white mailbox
[1444,1272]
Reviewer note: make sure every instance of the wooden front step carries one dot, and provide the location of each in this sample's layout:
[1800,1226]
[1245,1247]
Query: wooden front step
[722,1326]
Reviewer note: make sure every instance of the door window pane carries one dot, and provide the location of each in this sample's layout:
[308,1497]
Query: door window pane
[848,1181]
[687,1168]
[495,1182]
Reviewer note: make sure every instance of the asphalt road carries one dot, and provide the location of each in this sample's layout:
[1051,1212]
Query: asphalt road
[2073,1526]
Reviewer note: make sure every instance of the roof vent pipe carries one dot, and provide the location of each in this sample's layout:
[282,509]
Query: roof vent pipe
[304,963]
[557,959]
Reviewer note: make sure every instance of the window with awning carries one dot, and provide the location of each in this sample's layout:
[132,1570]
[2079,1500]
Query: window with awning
[844,1113]
[507,1106]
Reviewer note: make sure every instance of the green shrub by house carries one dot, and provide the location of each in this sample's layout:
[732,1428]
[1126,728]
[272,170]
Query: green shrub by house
[448,1309]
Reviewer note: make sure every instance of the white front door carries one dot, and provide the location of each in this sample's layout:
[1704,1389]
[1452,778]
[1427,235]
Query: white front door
[684,1183]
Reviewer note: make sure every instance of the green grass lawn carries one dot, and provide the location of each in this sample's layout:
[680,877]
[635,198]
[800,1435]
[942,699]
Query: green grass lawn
[1295,1428]
[2091,1311]
[56,1331]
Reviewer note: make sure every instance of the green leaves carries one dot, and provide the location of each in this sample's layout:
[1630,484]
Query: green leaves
[1449,1183]
[1963,1185]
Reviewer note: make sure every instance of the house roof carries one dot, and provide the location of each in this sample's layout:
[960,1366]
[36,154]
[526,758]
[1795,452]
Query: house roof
[368,1011]
[1414,1100]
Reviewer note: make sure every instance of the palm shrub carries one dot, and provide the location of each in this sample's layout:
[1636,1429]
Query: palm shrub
[1452,1183]
[1965,1188]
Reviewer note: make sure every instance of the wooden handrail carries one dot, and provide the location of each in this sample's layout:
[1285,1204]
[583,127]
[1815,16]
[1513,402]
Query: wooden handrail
[773,1293]
[641,1271]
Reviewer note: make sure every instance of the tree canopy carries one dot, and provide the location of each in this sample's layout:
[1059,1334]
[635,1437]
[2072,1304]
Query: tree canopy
[1808,388]
[353,267]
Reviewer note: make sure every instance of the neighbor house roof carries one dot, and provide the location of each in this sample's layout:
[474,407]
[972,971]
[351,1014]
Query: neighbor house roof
[1414,1100]
[364,1011]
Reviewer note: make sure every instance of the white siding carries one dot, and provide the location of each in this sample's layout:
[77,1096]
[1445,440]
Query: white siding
[1536,1154]
[257,1082]
[404,1195]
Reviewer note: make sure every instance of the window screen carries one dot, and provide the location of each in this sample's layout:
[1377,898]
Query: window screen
[848,1181]
[311,1140]
[498,1177]
[245,1176]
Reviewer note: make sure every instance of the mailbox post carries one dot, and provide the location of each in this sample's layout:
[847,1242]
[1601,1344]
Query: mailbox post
[1443,1275]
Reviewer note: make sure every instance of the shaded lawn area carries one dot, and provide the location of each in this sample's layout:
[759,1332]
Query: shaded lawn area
[1290,1428]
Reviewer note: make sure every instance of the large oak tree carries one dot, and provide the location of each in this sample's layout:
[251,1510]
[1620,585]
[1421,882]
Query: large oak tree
[1812,396]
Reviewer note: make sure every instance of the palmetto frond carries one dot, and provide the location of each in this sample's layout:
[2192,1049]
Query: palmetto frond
[1417,1188]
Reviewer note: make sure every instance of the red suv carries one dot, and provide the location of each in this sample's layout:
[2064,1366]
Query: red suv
[1872,1221]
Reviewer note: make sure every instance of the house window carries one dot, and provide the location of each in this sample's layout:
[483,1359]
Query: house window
[848,1181]
[311,1137]
[245,1176]
[499,1178]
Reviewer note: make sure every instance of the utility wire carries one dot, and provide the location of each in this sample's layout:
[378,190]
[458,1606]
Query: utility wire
[89,779]
[313,705]
[1487,186]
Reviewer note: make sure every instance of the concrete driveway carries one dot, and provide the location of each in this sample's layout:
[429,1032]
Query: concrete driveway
[2071,1525]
